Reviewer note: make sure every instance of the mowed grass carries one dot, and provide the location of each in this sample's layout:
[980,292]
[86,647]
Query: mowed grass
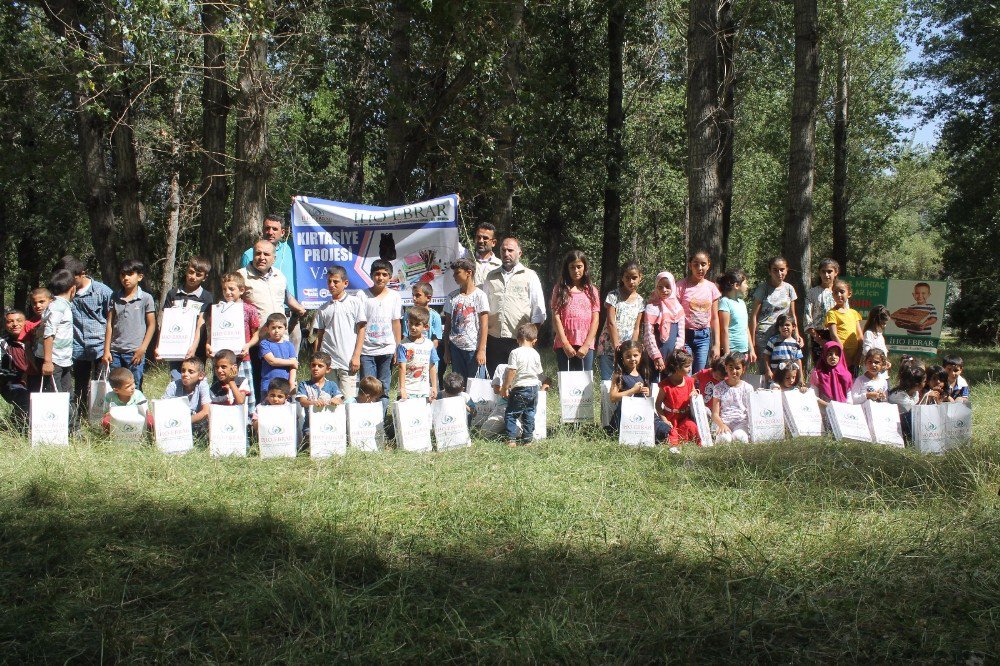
[574,549]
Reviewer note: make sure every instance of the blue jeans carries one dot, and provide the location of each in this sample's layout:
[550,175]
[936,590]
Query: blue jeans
[700,342]
[379,367]
[124,360]
[606,366]
[521,403]
[463,362]
[564,363]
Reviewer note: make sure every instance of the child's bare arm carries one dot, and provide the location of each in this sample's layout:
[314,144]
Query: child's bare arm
[140,353]
[107,337]
[508,379]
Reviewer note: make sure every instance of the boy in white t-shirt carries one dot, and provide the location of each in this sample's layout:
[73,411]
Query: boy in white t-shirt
[417,358]
[466,314]
[340,331]
[383,331]
[520,386]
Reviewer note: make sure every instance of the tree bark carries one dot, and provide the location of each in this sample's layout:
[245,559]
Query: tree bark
[92,139]
[840,154]
[802,148]
[397,112]
[503,213]
[173,203]
[615,126]
[215,113]
[704,145]
[132,243]
[357,147]
[252,160]
[727,122]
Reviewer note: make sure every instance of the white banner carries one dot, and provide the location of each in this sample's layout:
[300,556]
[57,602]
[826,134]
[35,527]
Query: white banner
[366,426]
[277,431]
[883,421]
[848,421]
[413,424]
[637,422]
[767,418]
[576,396]
[802,413]
[177,333]
[451,429]
[49,419]
[227,430]
[328,431]
[172,425]
[227,327]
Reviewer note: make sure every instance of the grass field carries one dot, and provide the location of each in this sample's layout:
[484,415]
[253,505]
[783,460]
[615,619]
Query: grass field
[574,549]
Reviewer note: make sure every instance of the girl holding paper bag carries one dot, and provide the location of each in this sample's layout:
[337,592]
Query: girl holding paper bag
[629,380]
[731,402]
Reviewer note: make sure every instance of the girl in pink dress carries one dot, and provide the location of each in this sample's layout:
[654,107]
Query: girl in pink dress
[576,309]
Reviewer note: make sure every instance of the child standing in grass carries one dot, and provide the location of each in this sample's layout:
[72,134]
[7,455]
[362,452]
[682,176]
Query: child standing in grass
[731,402]
[673,403]
[131,322]
[54,349]
[417,359]
[844,324]
[278,357]
[734,321]
[576,310]
[623,317]
[383,330]
[192,295]
[340,331]
[466,318]
[819,300]
[700,298]
[234,287]
[663,327]
[772,298]
[520,387]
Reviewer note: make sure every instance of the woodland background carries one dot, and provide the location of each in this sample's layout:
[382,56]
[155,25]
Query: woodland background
[626,128]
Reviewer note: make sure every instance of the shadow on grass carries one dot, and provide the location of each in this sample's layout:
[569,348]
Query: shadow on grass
[90,579]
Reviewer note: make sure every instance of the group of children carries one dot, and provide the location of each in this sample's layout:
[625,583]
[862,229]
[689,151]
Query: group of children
[667,340]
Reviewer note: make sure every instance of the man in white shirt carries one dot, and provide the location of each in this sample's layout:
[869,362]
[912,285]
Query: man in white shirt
[486,240]
[515,295]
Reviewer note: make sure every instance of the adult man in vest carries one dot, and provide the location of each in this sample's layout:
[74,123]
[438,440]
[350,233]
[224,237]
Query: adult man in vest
[515,295]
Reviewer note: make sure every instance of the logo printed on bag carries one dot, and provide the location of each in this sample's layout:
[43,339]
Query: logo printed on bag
[960,423]
[50,416]
[128,427]
[448,419]
[767,413]
[275,430]
[229,427]
[173,423]
[328,427]
[416,422]
[637,418]
[930,427]
[577,392]
[176,328]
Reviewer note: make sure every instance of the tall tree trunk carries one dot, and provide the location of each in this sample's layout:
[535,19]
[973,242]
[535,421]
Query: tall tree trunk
[612,242]
[704,147]
[173,202]
[215,112]
[91,136]
[252,161]
[5,236]
[727,122]
[357,146]
[840,146]
[802,148]
[132,241]
[503,212]
[397,112]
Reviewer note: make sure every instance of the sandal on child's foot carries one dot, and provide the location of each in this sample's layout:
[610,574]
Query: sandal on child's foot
[512,444]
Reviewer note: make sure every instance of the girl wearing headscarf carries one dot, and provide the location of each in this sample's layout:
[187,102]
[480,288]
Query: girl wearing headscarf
[663,329]
[831,378]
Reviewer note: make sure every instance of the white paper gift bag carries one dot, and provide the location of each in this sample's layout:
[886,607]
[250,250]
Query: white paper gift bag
[227,430]
[937,428]
[99,388]
[172,425]
[128,424]
[767,417]
[451,429]
[883,421]
[699,412]
[328,431]
[277,431]
[366,426]
[49,419]
[848,421]
[576,396]
[177,332]
[637,421]
[541,415]
[413,424]
[480,389]
[607,409]
[227,327]
[802,413]
[959,423]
